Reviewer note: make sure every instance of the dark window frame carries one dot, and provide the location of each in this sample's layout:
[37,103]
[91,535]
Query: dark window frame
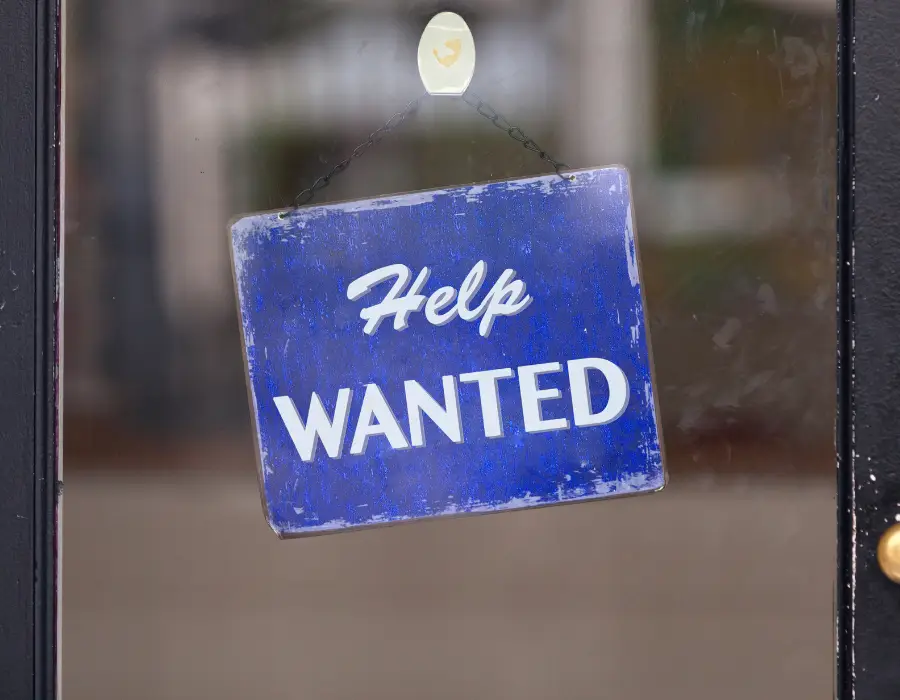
[29,273]
[868,437]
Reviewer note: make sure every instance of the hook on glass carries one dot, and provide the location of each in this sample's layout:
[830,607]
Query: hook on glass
[447,55]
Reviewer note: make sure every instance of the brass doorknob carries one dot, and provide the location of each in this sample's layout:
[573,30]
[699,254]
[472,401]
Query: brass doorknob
[889,553]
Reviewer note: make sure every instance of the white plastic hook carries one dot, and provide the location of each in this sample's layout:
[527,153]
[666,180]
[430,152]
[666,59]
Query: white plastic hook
[447,55]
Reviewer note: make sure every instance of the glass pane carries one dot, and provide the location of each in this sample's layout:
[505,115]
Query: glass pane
[182,115]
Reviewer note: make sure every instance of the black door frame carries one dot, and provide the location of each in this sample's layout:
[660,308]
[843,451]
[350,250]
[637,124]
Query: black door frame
[868,263]
[29,214]
[868,428]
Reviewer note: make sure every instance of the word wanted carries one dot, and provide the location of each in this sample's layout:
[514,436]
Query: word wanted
[376,418]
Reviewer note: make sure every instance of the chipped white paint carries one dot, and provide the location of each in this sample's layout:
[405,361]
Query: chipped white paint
[264,224]
[626,484]
[474,193]
[631,251]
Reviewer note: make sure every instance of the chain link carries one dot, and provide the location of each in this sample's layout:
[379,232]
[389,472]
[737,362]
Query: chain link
[482,107]
[514,132]
[375,137]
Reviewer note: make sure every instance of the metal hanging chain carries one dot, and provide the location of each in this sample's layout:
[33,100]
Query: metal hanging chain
[514,132]
[482,107]
[376,136]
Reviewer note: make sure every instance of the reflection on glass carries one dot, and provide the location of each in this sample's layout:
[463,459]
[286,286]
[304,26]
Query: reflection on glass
[182,116]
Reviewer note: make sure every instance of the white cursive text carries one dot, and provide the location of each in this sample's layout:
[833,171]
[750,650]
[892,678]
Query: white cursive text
[507,297]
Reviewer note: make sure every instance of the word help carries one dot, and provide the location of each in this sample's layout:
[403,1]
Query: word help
[508,297]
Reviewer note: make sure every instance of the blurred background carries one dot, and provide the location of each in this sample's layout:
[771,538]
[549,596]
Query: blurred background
[182,114]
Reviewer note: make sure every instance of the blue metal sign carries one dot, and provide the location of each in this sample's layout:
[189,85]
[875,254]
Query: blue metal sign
[455,351]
